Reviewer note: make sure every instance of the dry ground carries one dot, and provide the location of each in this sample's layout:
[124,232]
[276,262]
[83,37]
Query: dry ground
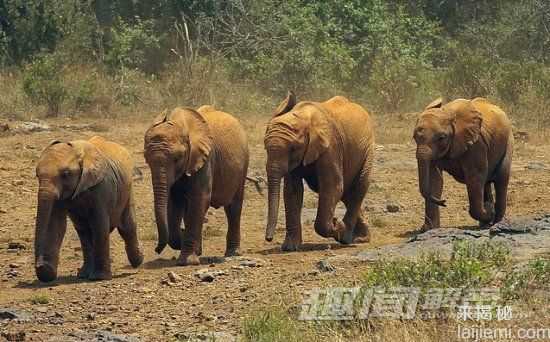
[137,302]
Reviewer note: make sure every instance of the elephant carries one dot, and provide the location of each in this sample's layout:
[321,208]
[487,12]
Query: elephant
[91,182]
[198,158]
[472,140]
[330,145]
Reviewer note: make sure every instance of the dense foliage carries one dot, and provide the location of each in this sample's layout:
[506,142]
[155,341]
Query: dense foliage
[394,55]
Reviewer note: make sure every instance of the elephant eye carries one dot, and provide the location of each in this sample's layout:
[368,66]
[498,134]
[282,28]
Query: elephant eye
[65,174]
[442,137]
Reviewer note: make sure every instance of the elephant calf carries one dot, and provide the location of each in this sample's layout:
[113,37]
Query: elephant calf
[91,182]
[198,158]
[472,140]
[330,145]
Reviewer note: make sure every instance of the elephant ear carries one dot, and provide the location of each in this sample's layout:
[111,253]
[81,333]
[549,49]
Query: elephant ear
[287,104]
[200,141]
[318,137]
[467,129]
[93,164]
[437,103]
[160,118]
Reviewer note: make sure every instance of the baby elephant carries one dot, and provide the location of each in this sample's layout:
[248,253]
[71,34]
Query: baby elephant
[91,181]
[472,140]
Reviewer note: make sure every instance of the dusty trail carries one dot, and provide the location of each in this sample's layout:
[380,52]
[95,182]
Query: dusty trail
[143,303]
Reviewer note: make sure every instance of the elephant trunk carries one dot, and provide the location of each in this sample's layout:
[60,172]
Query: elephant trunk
[46,251]
[160,191]
[274,176]
[424,181]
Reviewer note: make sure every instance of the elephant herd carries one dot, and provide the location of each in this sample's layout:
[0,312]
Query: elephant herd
[199,159]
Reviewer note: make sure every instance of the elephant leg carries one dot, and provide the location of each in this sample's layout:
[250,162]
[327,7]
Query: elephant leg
[330,192]
[501,191]
[294,200]
[476,189]
[176,210]
[100,229]
[128,232]
[488,199]
[233,214]
[87,244]
[356,227]
[431,212]
[197,203]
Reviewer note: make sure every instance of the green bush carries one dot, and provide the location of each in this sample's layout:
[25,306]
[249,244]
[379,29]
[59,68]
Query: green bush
[471,264]
[271,326]
[521,283]
[43,83]
[130,45]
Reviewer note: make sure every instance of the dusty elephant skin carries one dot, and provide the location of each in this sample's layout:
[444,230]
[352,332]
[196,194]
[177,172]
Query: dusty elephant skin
[198,158]
[472,140]
[91,182]
[330,145]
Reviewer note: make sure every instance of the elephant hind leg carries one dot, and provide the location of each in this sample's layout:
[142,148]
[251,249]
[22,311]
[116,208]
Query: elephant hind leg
[353,200]
[128,232]
[233,214]
[501,190]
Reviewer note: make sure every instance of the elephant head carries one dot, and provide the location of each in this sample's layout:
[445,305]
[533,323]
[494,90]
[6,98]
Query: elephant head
[444,132]
[64,171]
[296,135]
[176,145]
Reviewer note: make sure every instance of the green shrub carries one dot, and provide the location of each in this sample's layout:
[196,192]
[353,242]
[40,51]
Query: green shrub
[271,326]
[521,283]
[130,45]
[471,264]
[43,83]
[84,94]
[127,86]
[40,299]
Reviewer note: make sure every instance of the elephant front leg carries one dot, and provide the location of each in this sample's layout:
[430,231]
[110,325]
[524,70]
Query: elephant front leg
[330,192]
[128,232]
[294,200]
[87,245]
[476,189]
[431,212]
[100,230]
[193,218]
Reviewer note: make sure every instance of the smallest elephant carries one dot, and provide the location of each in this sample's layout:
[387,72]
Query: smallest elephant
[91,182]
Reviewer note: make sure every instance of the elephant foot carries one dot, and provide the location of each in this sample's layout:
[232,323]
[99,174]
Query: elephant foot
[291,244]
[188,260]
[100,275]
[341,233]
[84,272]
[135,259]
[234,251]
[485,225]
[361,233]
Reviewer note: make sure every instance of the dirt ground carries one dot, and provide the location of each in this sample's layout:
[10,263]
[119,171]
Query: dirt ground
[141,303]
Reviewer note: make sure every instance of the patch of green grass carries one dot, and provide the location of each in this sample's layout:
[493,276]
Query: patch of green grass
[471,264]
[40,299]
[271,326]
[379,222]
[521,284]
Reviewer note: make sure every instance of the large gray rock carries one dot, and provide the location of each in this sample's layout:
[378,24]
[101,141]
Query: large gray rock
[527,238]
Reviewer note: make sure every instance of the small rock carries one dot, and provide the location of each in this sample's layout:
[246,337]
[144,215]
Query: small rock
[16,245]
[392,208]
[41,309]
[252,263]
[325,266]
[18,182]
[536,165]
[13,273]
[174,278]
[91,316]
[13,265]
[12,314]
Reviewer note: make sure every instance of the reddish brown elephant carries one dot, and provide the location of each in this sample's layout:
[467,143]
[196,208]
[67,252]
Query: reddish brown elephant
[330,145]
[471,140]
[198,158]
[91,182]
